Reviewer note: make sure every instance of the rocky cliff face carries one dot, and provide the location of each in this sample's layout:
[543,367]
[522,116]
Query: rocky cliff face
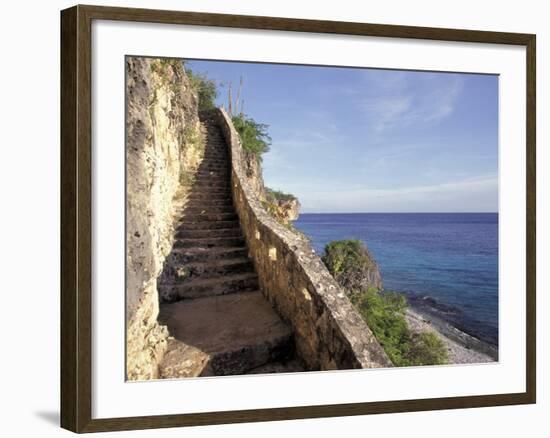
[253,170]
[373,277]
[287,210]
[164,146]
[284,209]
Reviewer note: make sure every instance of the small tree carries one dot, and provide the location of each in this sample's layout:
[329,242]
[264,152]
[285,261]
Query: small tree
[384,314]
[254,136]
[351,265]
[427,349]
[205,88]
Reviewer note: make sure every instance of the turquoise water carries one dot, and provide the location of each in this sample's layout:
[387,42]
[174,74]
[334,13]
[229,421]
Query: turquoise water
[445,262]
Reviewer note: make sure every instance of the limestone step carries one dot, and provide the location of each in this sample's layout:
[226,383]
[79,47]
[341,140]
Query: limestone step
[216,145]
[287,366]
[207,269]
[209,242]
[213,175]
[221,162]
[217,150]
[222,159]
[190,255]
[200,210]
[215,158]
[217,193]
[200,234]
[214,165]
[214,168]
[213,180]
[220,183]
[218,196]
[211,286]
[216,181]
[189,224]
[225,173]
[208,217]
[203,202]
[183,217]
[224,335]
[211,187]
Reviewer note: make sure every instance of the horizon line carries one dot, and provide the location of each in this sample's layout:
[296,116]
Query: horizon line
[401,212]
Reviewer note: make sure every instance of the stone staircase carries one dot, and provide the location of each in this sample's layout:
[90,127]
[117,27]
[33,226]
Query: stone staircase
[219,322]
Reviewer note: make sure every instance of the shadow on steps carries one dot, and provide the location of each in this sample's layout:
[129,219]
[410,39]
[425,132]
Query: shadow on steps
[219,321]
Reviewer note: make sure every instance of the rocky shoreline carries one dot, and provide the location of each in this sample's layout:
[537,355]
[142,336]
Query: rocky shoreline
[462,348]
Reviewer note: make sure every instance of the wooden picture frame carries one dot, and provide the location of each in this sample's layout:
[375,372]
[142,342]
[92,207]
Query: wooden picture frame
[76,217]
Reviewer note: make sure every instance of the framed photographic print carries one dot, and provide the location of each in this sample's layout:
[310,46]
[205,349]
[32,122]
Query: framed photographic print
[268,218]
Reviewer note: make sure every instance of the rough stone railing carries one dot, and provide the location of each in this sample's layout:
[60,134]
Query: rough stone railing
[329,332]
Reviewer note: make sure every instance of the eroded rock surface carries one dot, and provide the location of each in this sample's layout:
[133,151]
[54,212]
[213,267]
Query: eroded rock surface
[163,149]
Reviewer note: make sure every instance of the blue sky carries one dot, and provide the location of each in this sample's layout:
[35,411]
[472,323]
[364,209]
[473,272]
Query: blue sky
[366,140]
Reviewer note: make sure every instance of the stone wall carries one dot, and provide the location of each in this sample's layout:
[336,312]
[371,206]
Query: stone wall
[329,332]
[163,148]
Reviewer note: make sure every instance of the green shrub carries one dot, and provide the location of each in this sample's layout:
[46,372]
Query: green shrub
[276,195]
[384,312]
[427,349]
[254,136]
[274,205]
[205,89]
[349,262]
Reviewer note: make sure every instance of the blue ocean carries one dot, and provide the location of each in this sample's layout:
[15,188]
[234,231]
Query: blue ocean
[446,262]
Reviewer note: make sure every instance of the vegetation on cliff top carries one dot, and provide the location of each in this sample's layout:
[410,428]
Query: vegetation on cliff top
[205,89]
[277,195]
[283,207]
[254,136]
[384,312]
[350,263]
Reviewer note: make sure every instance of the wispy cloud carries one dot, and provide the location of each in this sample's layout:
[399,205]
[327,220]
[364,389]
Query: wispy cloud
[317,129]
[393,154]
[384,112]
[475,194]
[398,100]
[276,160]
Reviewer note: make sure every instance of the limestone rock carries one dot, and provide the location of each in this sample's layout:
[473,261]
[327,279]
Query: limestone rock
[163,148]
